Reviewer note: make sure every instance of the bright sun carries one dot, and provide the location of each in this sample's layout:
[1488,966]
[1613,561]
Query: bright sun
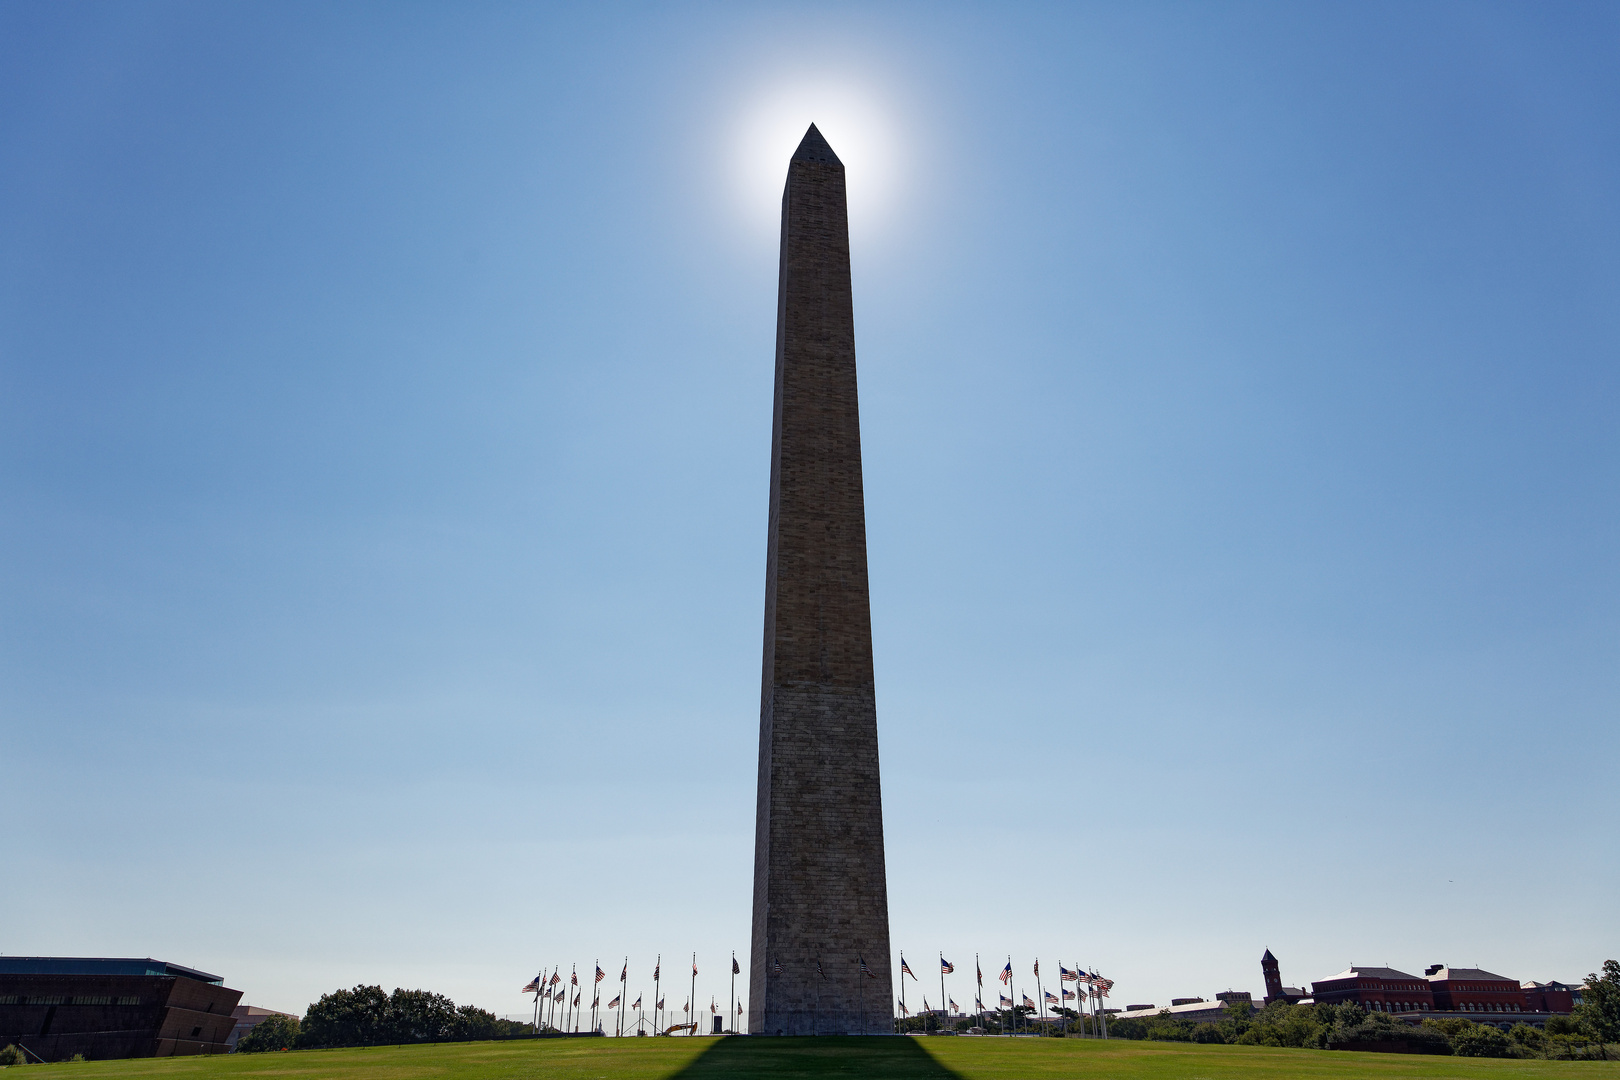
[860,131]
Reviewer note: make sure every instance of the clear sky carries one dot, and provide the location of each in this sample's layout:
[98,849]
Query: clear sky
[385,398]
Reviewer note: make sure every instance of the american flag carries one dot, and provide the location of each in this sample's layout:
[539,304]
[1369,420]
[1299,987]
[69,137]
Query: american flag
[868,972]
[1068,995]
[776,967]
[925,1003]
[555,978]
[596,1002]
[823,974]
[903,1010]
[687,1007]
[600,974]
[713,1008]
[637,1005]
[694,965]
[614,1004]
[533,985]
[954,1005]
[945,966]
[1006,1002]
[905,968]
[1066,975]
[1051,998]
[1028,1003]
[1037,969]
[624,972]
[735,970]
[1006,974]
[739,1008]
[655,970]
[978,972]
[660,1004]
[576,999]
[573,977]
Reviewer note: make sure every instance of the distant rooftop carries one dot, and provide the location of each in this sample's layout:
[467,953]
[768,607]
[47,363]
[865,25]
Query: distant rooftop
[1477,974]
[1356,971]
[100,965]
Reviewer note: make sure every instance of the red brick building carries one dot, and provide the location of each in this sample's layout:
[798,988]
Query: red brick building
[1553,997]
[1473,990]
[1376,989]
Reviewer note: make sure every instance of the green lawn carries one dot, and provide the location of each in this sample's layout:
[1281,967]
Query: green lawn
[788,1059]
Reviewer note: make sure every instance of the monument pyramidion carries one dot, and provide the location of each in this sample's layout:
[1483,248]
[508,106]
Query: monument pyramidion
[821,908]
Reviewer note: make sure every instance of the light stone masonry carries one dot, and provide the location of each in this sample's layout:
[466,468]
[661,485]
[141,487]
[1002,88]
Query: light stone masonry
[820,892]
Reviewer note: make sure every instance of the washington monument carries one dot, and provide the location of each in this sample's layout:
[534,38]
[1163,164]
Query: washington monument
[821,904]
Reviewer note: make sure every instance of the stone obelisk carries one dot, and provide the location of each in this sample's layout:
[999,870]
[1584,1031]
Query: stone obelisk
[821,905]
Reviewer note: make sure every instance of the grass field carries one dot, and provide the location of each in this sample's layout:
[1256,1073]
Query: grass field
[790,1059]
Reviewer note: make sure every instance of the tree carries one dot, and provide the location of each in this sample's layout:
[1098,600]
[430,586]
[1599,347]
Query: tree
[345,1018]
[414,1016]
[1599,1011]
[274,1032]
[471,1022]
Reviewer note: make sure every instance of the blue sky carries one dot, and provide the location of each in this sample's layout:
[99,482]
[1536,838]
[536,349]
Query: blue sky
[384,433]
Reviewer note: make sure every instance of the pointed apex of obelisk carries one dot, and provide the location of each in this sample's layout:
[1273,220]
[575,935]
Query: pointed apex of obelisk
[814,148]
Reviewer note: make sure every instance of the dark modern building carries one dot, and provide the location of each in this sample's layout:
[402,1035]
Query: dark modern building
[58,1006]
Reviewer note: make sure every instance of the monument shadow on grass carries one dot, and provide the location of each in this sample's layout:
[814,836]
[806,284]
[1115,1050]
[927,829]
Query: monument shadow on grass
[889,1057]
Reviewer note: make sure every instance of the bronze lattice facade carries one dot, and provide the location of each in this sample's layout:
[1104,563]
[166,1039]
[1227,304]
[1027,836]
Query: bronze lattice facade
[56,1007]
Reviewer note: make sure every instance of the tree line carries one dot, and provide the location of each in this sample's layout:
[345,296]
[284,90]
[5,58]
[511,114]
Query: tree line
[1584,1033]
[365,1016]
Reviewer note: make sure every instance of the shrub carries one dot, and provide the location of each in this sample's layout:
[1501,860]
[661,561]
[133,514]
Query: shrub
[275,1032]
[1483,1041]
[1381,1028]
[13,1055]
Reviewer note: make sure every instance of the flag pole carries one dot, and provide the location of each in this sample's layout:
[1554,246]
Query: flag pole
[944,1002]
[1013,994]
[903,1011]
[624,992]
[731,1014]
[978,992]
[658,999]
[692,1016]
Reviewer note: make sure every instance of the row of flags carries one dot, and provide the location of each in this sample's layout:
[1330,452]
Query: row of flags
[552,992]
[1096,988]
